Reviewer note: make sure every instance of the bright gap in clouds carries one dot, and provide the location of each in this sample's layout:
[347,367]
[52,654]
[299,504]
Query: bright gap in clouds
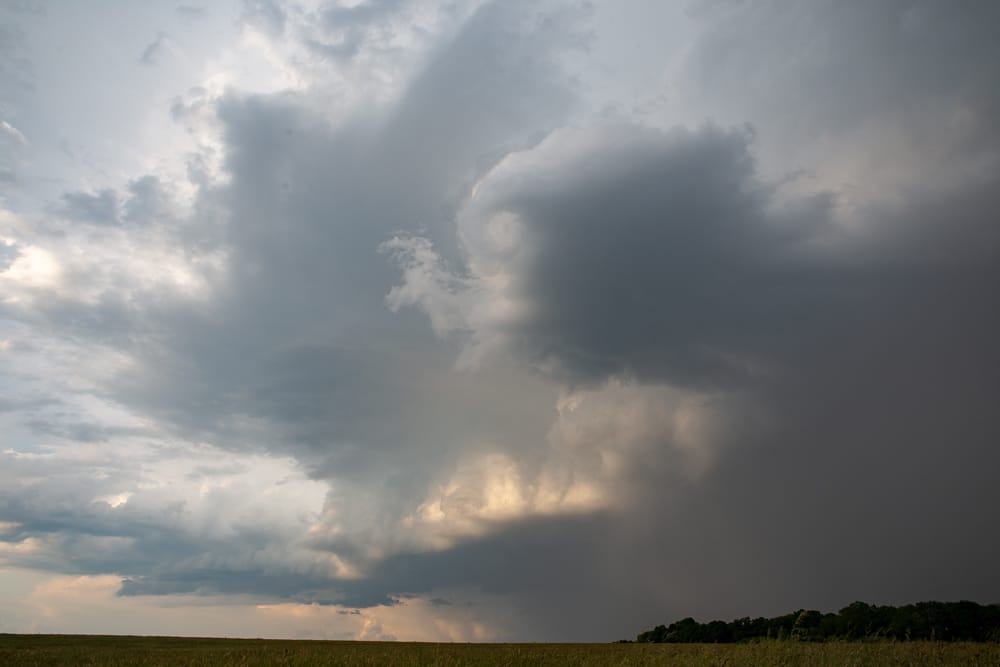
[487,320]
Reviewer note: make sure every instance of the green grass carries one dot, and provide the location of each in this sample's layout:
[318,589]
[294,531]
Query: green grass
[29,650]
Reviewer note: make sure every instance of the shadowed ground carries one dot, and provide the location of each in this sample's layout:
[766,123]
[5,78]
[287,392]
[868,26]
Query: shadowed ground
[29,650]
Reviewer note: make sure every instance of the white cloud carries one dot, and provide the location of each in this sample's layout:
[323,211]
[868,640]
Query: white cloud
[33,268]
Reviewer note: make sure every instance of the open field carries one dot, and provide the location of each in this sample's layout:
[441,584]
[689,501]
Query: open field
[29,650]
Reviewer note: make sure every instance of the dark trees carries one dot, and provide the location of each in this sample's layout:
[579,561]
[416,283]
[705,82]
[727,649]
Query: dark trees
[946,621]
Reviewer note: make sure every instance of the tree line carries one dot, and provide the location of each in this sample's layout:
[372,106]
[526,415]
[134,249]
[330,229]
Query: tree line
[946,621]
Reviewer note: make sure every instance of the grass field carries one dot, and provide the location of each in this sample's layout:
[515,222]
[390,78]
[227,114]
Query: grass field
[30,650]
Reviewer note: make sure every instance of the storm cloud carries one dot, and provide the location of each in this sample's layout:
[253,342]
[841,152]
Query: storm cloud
[464,321]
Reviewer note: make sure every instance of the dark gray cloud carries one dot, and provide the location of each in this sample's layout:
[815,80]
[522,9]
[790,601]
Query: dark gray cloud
[906,88]
[658,258]
[859,335]
[364,13]
[668,260]
[8,253]
[266,15]
[99,209]
[151,53]
[865,352]
[148,202]
[77,431]
[307,208]
[346,29]
[847,62]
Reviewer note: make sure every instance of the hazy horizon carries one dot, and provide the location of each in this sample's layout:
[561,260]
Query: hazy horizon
[480,320]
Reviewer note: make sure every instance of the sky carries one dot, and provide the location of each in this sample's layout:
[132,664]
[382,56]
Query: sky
[472,320]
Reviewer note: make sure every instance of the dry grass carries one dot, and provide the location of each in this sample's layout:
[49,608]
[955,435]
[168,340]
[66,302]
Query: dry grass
[29,650]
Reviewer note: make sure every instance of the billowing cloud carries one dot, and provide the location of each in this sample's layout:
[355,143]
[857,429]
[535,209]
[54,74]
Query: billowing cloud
[430,327]
[644,258]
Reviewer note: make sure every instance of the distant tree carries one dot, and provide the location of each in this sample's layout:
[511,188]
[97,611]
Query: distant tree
[656,635]
[686,630]
[780,627]
[745,628]
[946,621]
[856,620]
[716,632]
[807,624]
[831,626]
